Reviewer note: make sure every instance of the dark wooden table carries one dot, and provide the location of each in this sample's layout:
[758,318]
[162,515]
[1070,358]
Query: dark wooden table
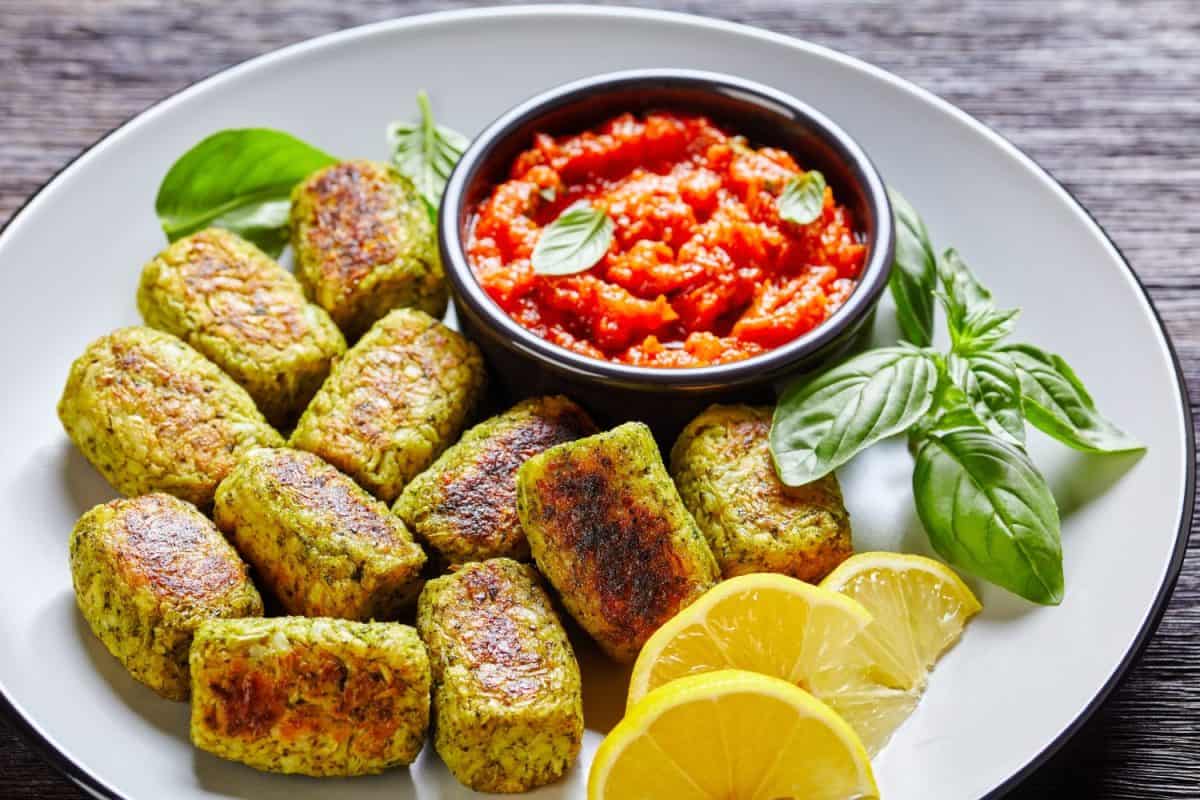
[1104,94]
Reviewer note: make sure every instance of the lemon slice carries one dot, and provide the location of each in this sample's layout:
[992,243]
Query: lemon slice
[727,734]
[872,708]
[760,622]
[920,608]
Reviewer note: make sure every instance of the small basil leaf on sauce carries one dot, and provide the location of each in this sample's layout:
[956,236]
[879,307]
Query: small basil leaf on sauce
[802,198]
[914,273]
[425,153]
[988,510]
[991,388]
[974,321]
[240,180]
[820,423]
[1056,402]
[574,242]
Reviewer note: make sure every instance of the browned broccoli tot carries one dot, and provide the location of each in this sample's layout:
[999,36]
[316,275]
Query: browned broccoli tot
[153,415]
[319,542]
[147,572]
[244,312]
[608,530]
[722,466]
[465,504]
[394,402]
[507,701]
[320,697]
[365,245]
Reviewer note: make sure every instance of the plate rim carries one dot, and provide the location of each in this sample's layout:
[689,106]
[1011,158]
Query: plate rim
[56,754]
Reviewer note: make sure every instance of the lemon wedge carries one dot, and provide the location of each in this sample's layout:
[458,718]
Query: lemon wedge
[727,734]
[862,642]
[920,607]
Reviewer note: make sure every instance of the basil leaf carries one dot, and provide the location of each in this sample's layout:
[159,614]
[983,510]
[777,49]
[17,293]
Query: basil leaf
[975,323]
[991,387]
[575,242]
[957,418]
[240,180]
[803,198]
[1055,401]
[821,423]
[984,330]
[425,153]
[988,510]
[964,293]
[914,273]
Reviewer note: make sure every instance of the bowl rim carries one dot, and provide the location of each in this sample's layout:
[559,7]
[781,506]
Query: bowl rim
[848,317]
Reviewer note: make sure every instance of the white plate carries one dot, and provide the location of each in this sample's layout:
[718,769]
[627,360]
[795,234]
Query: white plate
[1022,679]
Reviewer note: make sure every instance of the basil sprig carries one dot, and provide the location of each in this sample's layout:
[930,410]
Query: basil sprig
[574,242]
[984,505]
[426,152]
[973,319]
[240,180]
[803,198]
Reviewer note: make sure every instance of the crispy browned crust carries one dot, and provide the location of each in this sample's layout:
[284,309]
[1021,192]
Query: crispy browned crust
[608,529]
[316,697]
[365,244]
[319,542]
[147,572]
[465,504]
[352,208]
[172,550]
[246,313]
[507,694]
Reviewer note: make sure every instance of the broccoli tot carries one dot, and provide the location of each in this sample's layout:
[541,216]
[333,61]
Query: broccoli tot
[153,415]
[465,505]
[147,572]
[397,399]
[320,697]
[723,468]
[507,699]
[365,245]
[607,528]
[318,541]
[233,303]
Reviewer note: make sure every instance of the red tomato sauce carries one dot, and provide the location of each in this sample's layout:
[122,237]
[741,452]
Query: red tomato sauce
[701,269]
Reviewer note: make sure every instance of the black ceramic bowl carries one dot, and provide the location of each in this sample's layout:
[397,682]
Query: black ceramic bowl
[524,364]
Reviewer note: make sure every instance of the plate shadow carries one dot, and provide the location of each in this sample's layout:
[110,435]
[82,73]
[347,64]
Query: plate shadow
[163,714]
[81,483]
[229,779]
[1087,476]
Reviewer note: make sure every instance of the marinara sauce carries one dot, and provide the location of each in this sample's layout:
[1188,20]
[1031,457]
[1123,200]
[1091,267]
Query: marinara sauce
[701,269]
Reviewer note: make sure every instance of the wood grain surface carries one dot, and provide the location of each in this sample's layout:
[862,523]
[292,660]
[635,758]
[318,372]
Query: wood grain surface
[1104,94]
